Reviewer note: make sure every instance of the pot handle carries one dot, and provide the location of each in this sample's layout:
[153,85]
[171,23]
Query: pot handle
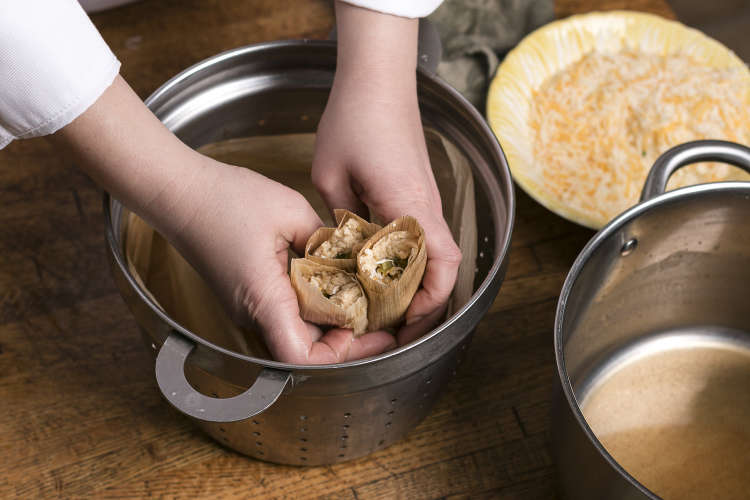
[692,152]
[170,376]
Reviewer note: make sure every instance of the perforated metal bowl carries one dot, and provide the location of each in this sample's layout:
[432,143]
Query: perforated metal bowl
[309,415]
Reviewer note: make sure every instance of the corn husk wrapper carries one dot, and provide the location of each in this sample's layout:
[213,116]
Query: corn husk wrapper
[387,303]
[325,233]
[316,308]
[455,182]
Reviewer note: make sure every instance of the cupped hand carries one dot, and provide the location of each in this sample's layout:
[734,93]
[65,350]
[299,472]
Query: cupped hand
[233,225]
[370,152]
[237,234]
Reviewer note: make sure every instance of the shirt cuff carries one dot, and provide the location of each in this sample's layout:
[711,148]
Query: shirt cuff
[54,64]
[402,8]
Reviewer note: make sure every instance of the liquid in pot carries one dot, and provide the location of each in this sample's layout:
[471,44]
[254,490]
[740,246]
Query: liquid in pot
[675,413]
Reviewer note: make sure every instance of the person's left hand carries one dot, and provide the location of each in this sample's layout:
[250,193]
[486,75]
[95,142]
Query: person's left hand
[370,152]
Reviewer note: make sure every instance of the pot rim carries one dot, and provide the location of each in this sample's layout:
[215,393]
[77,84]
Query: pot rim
[503,235]
[583,257]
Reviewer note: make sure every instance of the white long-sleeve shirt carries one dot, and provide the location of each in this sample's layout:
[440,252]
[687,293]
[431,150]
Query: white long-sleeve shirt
[54,64]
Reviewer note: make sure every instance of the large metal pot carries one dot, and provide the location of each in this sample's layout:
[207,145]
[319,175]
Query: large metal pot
[309,415]
[667,277]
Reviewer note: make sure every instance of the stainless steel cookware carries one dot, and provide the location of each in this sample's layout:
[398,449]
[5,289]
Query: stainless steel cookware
[667,281]
[309,415]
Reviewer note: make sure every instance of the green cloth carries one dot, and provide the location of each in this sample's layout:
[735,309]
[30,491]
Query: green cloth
[475,34]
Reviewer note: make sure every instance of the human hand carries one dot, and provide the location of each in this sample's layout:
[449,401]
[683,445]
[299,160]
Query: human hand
[233,225]
[237,233]
[370,148]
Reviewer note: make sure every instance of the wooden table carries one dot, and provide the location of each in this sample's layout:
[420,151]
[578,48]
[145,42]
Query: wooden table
[82,416]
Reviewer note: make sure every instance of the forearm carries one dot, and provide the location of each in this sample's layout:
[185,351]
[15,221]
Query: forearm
[376,51]
[128,152]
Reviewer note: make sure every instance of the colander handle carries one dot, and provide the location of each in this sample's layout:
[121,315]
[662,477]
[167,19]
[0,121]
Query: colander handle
[170,376]
[688,153]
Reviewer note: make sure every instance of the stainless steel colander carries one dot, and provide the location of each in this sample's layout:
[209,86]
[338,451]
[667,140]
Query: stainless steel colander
[309,415]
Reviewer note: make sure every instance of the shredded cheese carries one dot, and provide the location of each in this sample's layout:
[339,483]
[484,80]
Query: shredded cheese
[598,125]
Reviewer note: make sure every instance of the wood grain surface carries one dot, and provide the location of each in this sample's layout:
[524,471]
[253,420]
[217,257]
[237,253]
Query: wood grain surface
[82,416]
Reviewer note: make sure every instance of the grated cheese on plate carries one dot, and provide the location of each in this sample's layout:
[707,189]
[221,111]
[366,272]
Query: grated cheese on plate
[598,125]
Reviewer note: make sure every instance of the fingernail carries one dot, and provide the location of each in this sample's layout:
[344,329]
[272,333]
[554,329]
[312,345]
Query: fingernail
[414,319]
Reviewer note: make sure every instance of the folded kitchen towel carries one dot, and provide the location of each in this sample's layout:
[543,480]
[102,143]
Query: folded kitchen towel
[476,34]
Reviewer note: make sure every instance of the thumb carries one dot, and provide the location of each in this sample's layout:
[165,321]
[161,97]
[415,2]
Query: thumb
[335,186]
[300,221]
[275,310]
[292,340]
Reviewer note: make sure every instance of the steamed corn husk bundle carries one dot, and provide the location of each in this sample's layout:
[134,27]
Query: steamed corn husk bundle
[328,295]
[338,246]
[390,267]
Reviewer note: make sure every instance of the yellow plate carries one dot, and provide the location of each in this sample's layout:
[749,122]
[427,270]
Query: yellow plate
[556,45]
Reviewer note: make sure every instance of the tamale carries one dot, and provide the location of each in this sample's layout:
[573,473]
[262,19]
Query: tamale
[328,295]
[338,246]
[390,267]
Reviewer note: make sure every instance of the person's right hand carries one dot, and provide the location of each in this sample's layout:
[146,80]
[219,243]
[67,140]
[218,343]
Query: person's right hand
[237,233]
[233,225]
